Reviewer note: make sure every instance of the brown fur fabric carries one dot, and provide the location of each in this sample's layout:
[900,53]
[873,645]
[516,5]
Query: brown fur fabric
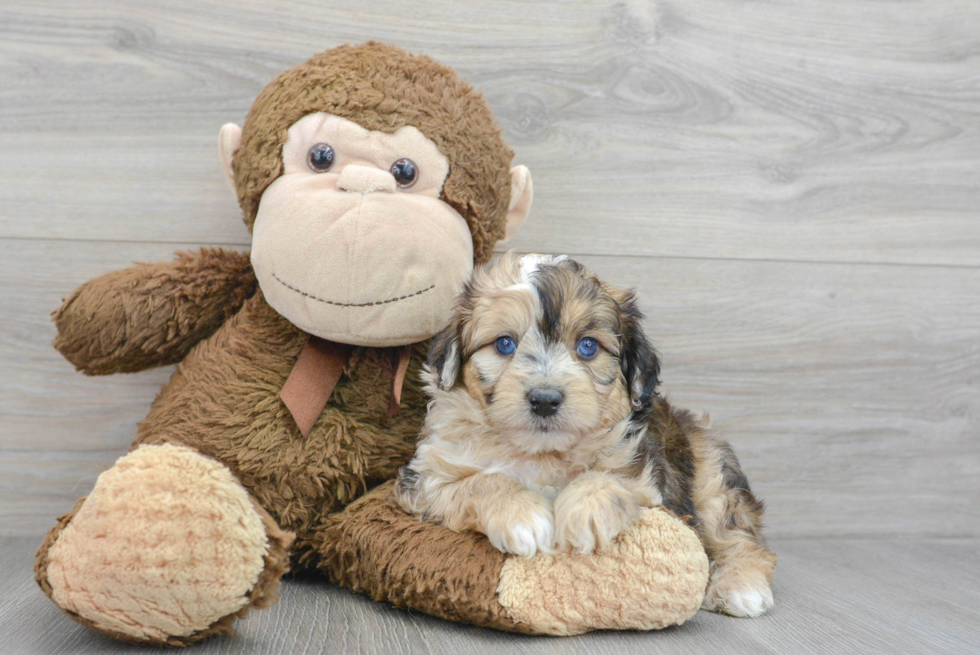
[223,398]
[151,314]
[374,548]
[383,88]
[223,401]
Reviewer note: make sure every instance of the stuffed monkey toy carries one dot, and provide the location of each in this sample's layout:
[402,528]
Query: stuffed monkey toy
[372,180]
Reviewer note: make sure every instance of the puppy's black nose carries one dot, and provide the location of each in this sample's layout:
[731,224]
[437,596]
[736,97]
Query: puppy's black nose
[545,402]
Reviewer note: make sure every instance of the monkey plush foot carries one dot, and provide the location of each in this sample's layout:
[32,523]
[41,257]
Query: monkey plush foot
[167,549]
[652,576]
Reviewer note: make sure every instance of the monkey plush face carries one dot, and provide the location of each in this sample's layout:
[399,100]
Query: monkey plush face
[352,242]
[372,181]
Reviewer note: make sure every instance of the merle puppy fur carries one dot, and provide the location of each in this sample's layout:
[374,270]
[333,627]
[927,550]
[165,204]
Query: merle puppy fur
[546,432]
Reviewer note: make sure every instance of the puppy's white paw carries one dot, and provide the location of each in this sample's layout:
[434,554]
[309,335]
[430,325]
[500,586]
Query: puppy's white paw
[524,527]
[749,599]
[749,602]
[592,511]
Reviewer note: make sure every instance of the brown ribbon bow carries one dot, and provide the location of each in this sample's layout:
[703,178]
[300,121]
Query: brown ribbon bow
[316,373]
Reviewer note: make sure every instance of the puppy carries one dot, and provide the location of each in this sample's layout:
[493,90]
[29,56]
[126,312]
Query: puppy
[545,431]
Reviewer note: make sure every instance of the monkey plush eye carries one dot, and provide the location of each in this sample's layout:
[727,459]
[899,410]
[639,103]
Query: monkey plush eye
[405,172]
[321,158]
[505,346]
[587,348]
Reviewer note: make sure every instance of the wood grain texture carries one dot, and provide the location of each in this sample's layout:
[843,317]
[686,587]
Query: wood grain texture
[914,596]
[794,188]
[841,130]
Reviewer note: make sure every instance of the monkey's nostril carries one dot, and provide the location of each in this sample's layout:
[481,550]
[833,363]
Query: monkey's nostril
[545,402]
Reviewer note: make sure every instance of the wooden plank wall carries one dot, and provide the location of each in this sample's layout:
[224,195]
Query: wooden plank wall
[793,186]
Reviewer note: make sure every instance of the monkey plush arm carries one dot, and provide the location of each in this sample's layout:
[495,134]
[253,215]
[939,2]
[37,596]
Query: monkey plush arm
[151,314]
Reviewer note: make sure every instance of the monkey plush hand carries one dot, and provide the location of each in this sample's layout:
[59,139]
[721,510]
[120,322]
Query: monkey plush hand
[372,180]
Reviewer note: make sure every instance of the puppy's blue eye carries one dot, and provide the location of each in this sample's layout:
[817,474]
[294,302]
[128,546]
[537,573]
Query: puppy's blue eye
[587,348]
[505,346]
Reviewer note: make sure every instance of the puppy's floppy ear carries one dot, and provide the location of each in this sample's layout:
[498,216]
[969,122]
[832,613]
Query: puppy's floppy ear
[445,356]
[638,359]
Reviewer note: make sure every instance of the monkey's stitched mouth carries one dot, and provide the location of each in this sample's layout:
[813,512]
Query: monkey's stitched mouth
[351,304]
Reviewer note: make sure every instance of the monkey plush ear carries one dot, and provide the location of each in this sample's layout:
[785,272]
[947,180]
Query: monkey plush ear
[521,194]
[229,138]
[445,358]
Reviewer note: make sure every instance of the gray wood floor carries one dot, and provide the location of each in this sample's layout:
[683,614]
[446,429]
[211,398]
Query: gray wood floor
[842,596]
[793,187]
[834,596]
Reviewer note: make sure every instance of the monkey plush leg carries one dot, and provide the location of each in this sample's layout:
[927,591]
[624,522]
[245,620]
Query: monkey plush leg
[151,314]
[167,549]
[653,576]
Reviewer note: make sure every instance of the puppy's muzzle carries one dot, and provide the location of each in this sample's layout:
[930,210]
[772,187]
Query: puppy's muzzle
[545,402]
